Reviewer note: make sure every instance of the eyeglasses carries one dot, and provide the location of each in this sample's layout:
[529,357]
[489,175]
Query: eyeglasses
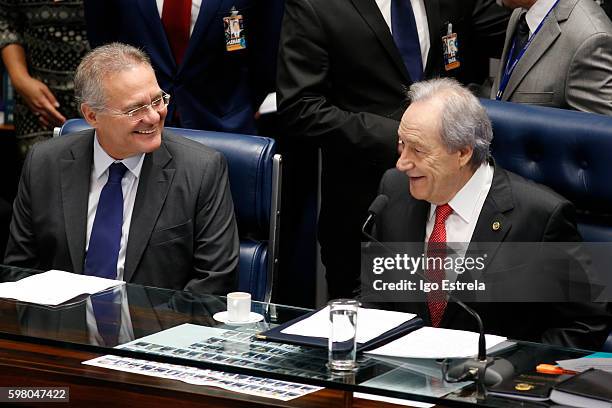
[158,104]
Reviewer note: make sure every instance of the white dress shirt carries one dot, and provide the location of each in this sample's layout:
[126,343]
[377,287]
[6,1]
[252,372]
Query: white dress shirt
[129,185]
[195,10]
[535,15]
[466,205]
[418,8]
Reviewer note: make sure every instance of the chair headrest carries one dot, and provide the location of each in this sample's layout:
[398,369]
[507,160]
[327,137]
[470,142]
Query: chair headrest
[568,151]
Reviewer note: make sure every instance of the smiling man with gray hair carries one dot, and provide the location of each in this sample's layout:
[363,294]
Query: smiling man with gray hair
[447,189]
[127,199]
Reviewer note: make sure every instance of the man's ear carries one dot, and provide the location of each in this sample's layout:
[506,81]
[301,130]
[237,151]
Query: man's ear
[90,115]
[465,155]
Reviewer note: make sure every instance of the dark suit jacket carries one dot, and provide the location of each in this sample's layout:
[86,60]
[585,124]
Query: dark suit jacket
[212,89]
[567,65]
[341,85]
[182,234]
[527,212]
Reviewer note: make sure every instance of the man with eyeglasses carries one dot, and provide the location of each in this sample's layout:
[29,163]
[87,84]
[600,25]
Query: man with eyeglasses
[126,200]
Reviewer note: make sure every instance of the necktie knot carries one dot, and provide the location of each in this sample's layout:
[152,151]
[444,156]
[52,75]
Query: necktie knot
[523,27]
[522,34]
[442,213]
[116,171]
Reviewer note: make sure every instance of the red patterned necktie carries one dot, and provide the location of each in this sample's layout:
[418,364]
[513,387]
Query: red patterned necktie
[436,248]
[176,19]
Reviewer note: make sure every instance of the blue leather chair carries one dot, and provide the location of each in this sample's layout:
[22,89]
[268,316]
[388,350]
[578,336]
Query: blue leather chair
[254,173]
[568,151]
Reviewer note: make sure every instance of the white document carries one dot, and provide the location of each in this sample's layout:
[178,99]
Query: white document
[431,342]
[396,401]
[583,364]
[54,287]
[371,323]
[245,384]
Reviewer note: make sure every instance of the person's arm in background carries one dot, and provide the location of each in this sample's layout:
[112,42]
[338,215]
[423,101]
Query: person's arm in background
[35,93]
[489,23]
[303,84]
[589,79]
[262,39]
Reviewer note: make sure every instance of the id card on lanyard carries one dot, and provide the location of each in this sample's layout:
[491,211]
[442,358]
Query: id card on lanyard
[512,62]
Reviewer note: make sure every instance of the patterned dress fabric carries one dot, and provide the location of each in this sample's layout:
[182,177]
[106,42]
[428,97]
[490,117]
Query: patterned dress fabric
[53,35]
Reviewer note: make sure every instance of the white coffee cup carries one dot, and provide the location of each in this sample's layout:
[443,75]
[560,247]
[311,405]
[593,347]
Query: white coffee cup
[238,306]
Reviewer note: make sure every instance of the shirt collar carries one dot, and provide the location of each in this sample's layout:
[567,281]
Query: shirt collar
[537,13]
[101,160]
[464,202]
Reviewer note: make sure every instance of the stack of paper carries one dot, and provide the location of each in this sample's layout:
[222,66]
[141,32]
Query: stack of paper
[431,342]
[54,287]
[371,323]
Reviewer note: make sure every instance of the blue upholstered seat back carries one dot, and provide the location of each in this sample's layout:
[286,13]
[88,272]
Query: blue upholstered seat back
[249,160]
[569,151]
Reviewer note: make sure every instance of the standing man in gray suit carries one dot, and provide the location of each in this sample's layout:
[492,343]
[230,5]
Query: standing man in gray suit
[557,53]
[126,200]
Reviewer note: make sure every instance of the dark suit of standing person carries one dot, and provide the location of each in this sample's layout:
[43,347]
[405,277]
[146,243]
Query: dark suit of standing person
[341,87]
[568,61]
[212,88]
[176,227]
[445,164]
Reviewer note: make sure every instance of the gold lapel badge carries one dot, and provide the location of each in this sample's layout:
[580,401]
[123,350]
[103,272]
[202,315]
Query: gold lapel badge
[496,226]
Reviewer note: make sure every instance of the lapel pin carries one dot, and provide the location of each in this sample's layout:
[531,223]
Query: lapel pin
[496,226]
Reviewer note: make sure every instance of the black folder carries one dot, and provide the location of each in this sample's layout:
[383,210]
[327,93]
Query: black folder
[275,334]
[591,388]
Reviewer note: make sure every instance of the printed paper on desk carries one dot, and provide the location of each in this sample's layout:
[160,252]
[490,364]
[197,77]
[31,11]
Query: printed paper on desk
[431,342]
[54,287]
[583,364]
[371,323]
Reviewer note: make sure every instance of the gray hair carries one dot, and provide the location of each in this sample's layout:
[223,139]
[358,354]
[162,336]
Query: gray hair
[464,121]
[99,63]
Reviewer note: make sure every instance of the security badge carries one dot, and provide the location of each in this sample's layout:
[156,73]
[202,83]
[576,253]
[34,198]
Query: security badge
[233,25]
[450,49]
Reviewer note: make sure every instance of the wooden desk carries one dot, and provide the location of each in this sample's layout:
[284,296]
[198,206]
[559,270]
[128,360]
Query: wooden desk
[33,365]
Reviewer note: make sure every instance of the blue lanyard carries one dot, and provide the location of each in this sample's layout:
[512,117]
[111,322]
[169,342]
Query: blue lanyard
[511,63]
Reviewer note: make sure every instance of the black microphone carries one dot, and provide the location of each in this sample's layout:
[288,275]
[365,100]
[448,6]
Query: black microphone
[470,369]
[377,206]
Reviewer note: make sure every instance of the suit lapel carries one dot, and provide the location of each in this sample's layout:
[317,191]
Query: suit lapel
[371,14]
[155,181]
[432,9]
[514,18]
[208,11]
[75,172]
[151,15]
[543,40]
[491,228]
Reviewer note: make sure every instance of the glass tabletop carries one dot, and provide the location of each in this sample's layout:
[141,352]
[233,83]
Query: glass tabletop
[178,327]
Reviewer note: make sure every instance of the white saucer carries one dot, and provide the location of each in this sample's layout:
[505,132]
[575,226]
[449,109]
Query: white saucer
[222,317]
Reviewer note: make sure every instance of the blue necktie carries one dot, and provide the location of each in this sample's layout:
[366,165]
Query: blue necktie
[406,37]
[105,238]
[103,252]
[107,311]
